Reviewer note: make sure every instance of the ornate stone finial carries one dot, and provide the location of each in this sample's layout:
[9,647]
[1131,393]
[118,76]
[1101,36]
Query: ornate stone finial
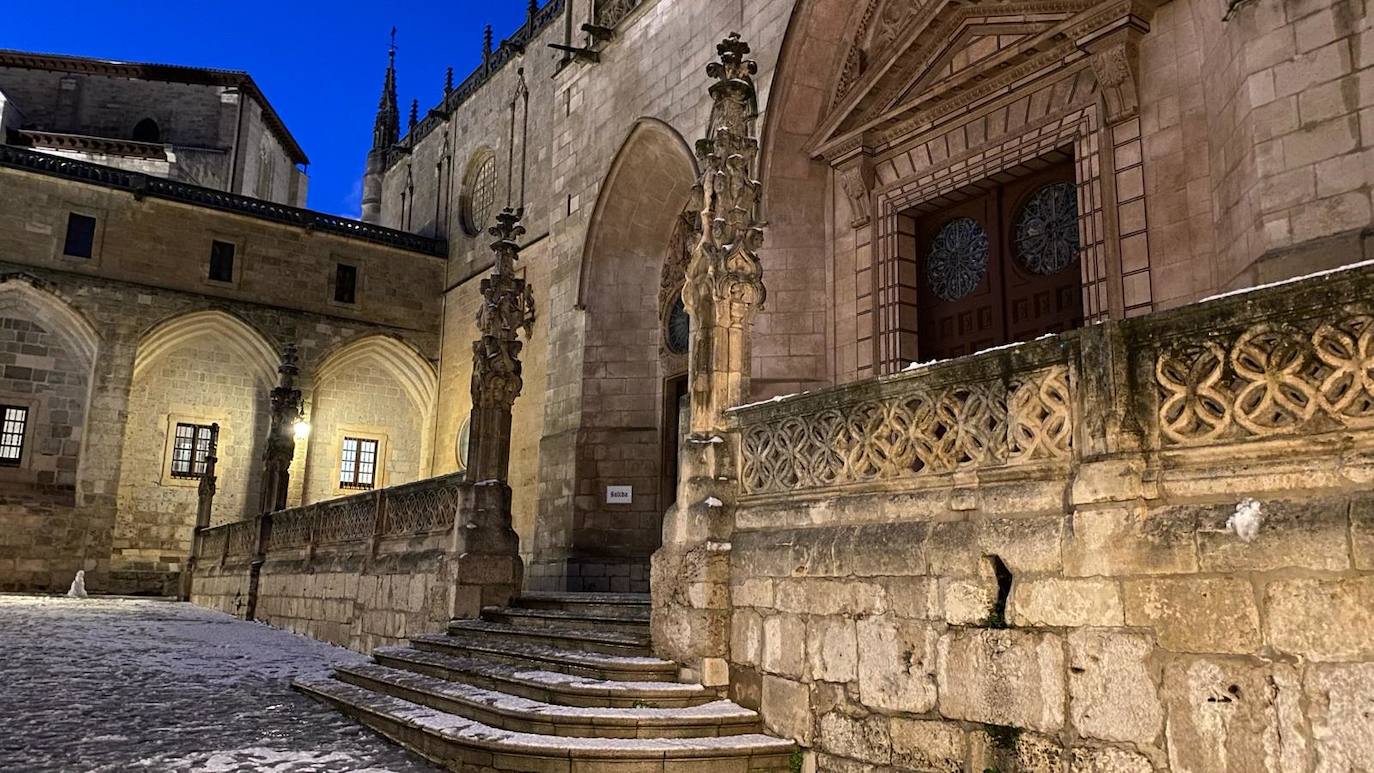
[486,42]
[724,284]
[507,306]
[386,127]
[533,8]
[448,81]
[414,115]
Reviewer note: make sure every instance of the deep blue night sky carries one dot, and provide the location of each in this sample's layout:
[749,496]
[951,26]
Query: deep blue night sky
[320,63]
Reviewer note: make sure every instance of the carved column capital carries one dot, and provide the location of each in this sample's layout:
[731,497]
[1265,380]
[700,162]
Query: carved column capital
[1114,54]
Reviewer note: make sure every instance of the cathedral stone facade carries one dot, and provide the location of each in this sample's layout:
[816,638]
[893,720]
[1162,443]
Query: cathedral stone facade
[1057,446]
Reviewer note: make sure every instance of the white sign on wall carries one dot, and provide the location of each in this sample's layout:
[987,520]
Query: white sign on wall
[620,495]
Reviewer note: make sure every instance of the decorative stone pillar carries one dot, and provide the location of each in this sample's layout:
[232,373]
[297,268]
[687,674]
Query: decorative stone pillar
[488,568]
[723,291]
[281,436]
[205,497]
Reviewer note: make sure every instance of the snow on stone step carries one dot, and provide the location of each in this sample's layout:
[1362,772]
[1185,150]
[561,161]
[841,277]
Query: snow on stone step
[554,686]
[541,655]
[517,713]
[392,716]
[583,639]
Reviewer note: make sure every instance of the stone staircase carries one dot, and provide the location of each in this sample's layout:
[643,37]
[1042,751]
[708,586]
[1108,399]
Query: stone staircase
[556,682]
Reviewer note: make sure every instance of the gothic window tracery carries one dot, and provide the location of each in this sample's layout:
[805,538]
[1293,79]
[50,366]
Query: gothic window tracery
[479,193]
[678,330]
[1047,229]
[958,258]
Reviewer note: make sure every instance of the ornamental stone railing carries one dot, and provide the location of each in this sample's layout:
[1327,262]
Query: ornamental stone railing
[1002,408]
[147,185]
[417,509]
[1249,373]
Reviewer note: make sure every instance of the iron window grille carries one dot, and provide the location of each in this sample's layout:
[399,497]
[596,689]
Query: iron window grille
[14,422]
[358,463]
[190,449]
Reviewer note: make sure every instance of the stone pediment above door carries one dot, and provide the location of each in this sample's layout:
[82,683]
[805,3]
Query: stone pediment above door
[911,62]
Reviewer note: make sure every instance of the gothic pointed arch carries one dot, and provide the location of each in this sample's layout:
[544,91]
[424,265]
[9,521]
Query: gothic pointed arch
[622,388]
[379,391]
[653,168]
[50,383]
[226,330]
[20,291]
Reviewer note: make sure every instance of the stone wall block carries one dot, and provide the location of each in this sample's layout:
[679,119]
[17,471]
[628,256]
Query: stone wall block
[746,637]
[752,592]
[1321,620]
[1362,521]
[1116,541]
[913,597]
[1002,677]
[832,649]
[951,549]
[1339,700]
[1108,760]
[928,746]
[1230,714]
[1010,749]
[784,645]
[968,601]
[1195,615]
[861,738]
[830,597]
[1307,534]
[1025,545]
[1065,602]
[1112,687]
[787,709]
[896,664]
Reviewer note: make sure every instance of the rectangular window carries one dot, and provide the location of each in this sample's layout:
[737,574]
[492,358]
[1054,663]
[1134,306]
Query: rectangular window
[346,283]
[190,448]
[358,463]
[80,236]
[14,420]
[221,261]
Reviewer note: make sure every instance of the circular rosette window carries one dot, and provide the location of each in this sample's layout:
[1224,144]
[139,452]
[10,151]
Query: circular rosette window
[677,329]
[1047,229]
[958,259]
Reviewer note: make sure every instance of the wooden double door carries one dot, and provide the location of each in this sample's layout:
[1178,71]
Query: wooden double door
[1000,266]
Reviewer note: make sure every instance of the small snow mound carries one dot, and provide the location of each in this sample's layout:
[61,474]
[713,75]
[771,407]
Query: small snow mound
[1246,520]
[78,589]
[713,502]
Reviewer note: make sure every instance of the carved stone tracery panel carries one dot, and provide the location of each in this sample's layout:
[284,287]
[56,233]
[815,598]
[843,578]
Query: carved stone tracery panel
[924,431]
[1269,380]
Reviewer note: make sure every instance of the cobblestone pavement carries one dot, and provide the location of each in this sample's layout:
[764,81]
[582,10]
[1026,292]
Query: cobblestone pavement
[116,685]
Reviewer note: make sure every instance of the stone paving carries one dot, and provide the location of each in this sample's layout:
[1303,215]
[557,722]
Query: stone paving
[141,685]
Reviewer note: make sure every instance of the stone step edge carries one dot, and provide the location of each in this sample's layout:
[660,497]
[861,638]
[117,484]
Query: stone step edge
[602,638]
[590,599]
[531,677]
[568,616]
[457,730]
[535,652]
[719,715]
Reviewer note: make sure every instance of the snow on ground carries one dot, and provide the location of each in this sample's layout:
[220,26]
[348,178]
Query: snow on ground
[115,685]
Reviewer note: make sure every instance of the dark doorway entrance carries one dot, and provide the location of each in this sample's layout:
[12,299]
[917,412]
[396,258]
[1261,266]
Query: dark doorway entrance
[674,403]
[999,263]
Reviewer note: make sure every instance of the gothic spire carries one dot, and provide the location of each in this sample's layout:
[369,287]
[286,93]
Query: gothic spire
[387,129]
[414,115]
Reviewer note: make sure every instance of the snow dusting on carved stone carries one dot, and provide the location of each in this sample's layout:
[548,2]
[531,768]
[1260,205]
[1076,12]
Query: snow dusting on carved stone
[1245,522]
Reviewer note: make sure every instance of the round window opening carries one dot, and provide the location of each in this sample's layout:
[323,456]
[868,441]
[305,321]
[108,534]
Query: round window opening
[677,332]
[958,259]
[479,194]
[1047,229]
